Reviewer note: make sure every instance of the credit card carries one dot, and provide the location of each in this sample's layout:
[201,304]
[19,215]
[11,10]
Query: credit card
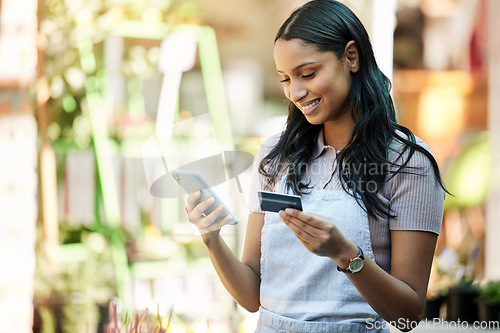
[274,202]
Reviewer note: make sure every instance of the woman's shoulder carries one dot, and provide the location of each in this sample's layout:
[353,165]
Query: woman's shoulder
[399,151]
[272,140]
[411,168]
[268,144]
[398,145]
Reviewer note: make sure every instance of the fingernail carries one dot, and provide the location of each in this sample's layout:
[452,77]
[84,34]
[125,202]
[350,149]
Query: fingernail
[221,207]
[282,213]
[289,211]
[211,200]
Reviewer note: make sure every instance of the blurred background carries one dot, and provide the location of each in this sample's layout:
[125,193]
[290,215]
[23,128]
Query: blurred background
[99,99]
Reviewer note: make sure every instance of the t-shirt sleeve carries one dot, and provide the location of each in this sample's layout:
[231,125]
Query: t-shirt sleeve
[416,198]
[258,181]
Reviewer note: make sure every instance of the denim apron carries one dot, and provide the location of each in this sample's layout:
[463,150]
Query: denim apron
[301,292]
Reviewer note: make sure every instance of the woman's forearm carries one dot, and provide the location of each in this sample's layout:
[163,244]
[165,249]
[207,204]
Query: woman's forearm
[240,280]
[390,297]
[399,297]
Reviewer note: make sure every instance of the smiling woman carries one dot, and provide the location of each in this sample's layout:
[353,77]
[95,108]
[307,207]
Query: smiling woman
[361,249]
[307,79]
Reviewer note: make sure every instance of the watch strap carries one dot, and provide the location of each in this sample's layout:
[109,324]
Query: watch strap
[361,255]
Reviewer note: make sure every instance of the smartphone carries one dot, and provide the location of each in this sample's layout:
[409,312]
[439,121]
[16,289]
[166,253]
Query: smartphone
[192,181]
[274,202]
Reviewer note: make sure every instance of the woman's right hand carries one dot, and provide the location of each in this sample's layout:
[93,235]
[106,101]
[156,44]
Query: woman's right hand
[209,226]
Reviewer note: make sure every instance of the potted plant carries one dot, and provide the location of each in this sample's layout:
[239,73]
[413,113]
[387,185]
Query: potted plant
[72,283]
[461,304]
[489,301]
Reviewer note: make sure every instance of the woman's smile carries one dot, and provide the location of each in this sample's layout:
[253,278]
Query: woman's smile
[309,107]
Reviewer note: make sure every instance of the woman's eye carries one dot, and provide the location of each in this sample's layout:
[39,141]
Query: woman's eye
[303,76]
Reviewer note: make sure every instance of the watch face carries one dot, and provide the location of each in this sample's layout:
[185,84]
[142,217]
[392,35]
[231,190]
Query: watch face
[356,265]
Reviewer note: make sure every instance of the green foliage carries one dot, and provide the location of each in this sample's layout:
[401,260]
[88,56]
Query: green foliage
[65,27]
[72,280]
[490,292]
[466,285]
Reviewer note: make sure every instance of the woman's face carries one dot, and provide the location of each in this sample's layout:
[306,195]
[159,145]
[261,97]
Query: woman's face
[318,83]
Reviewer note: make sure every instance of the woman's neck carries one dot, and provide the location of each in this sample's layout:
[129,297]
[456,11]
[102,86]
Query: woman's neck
[338,133]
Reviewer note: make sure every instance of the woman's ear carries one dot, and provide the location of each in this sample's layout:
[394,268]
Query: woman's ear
[351,56]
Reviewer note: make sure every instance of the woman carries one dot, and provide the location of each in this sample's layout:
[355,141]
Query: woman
[360,252]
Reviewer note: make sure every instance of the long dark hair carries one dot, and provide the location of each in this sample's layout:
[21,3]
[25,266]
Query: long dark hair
[328,25]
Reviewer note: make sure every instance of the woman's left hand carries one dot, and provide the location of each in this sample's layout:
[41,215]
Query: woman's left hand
[318,234]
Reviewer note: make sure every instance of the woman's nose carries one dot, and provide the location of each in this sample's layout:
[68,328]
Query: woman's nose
[297,92]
